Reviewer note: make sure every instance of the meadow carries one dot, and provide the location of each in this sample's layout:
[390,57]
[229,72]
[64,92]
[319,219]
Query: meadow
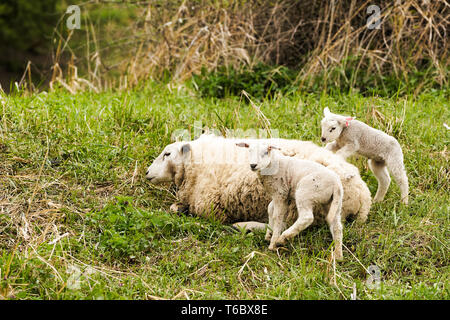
[78,220]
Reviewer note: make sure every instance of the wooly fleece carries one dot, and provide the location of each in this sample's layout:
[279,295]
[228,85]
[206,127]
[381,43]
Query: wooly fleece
[213,178]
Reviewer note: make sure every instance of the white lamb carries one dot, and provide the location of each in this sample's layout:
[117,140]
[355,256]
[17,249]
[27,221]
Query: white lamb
[357,199]
[347,136]
[305,182]
[213,178]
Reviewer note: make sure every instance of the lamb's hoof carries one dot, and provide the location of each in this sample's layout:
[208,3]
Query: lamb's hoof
[274,244]
[361,220]
[338,256]
[174,207]
[281,241]
[268,236]
[376,200]
[405,201]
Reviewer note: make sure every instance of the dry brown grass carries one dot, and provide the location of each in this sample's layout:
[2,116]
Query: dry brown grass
[181,37]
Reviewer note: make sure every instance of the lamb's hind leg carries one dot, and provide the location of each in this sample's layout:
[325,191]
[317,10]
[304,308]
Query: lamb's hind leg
[381,173]
[397,169]
[336,232]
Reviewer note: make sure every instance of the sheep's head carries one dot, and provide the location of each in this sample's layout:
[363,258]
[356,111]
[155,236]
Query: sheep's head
[261,157]
[332,125]
[169,163]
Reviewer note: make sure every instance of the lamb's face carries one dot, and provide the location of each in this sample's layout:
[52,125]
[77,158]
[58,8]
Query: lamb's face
[262,158]
[165,166]
[331,129]
[259,156]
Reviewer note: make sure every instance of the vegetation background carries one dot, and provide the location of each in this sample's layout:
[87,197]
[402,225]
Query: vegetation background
[83,112]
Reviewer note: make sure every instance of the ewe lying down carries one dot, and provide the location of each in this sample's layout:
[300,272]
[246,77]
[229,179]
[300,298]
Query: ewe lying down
[304,182]
[210,182]
[213,178]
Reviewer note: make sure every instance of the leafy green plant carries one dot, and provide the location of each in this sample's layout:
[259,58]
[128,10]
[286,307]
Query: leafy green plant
[127,232]
[124,231]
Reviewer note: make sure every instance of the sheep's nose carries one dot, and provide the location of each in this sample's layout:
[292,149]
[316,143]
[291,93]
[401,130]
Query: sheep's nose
[323,139]
[253,166]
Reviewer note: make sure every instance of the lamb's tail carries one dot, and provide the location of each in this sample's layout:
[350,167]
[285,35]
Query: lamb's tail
[336,204]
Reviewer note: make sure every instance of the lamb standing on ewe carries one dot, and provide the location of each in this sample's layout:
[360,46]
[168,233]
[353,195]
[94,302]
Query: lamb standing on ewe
[347,136]
[305,182]
[212,177]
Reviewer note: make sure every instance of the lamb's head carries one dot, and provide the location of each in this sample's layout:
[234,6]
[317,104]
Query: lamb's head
[169,163]
[261,156]
[332,125]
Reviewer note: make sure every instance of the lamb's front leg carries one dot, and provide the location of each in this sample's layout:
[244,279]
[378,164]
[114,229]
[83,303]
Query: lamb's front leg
[278,221]
[332,146]
[347,150]
[270,226]
[304,220]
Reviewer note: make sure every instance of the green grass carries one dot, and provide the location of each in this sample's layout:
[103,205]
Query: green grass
[79,221]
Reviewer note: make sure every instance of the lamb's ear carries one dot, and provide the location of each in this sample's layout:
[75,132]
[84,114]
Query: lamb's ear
[345,121]
[185,148]
[340,121]
[348,120]
[242,145]
[326,112]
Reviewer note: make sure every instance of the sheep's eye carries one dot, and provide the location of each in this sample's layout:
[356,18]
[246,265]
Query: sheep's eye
[266,153]
[166,154]
[332,129]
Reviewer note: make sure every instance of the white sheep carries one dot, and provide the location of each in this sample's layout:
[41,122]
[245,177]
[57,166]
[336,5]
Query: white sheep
[347,136]
[208,184]
[213,178]
[304,182]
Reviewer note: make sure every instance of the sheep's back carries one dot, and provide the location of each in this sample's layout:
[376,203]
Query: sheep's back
[225,187]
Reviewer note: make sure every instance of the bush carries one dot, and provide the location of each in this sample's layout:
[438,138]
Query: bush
[27,25]
[260,81]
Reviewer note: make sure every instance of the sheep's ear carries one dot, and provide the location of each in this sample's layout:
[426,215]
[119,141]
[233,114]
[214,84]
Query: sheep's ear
[185,148]
[344,121]
[341,121]
[348,120]
[326,112]
[242,145]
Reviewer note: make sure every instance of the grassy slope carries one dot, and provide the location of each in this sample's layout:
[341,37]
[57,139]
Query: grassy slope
[65,159]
